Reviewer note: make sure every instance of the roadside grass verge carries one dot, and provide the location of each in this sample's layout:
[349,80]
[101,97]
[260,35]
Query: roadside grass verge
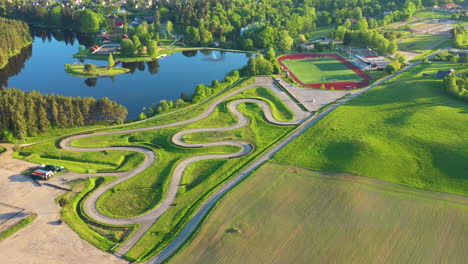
[405,131]
[2,149]
[347,215]
[20,225]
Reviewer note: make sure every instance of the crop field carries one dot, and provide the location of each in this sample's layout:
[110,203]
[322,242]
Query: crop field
[407,131]
[285,214]
[419,42]
[329,70]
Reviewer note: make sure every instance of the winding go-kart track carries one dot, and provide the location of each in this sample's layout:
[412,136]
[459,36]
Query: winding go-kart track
[303,120]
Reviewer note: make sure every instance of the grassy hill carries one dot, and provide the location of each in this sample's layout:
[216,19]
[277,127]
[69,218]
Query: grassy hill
[407,131]
[284,214]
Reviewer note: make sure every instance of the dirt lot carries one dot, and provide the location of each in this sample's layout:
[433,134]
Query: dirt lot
[44,240]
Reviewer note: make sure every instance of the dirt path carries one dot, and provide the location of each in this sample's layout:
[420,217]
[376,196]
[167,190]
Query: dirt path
[147,220]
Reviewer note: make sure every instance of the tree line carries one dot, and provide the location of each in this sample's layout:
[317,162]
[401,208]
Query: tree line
[457,85]
[460,36]
[29,114]
[14,35]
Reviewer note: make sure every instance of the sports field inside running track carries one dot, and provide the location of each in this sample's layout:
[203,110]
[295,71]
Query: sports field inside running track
[313,70]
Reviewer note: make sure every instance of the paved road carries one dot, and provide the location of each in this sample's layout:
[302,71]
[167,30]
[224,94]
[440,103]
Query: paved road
[147,220]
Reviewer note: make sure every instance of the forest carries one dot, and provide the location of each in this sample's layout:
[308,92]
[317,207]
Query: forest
[14,35]
[29,114]
[241,24]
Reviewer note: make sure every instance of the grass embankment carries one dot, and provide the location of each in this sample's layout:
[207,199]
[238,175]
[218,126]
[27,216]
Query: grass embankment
[20,225]
[326,218]
[406,131]
[101,236]
[78,70]
[321,70]
[82,162]
[419,42]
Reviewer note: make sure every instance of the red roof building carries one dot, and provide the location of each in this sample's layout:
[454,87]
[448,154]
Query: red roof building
[450,6]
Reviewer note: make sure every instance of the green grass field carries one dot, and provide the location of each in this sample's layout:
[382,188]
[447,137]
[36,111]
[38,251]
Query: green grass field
[283,214]
[321,70]
[428,13]
[420,42]
[407,131]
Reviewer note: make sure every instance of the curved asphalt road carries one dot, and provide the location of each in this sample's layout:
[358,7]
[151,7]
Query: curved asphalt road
[147,220]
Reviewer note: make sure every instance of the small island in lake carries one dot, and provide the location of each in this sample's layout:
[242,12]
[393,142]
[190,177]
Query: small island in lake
[91,70]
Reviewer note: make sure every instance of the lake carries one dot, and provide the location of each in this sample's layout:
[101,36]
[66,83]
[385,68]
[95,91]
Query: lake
[42,67]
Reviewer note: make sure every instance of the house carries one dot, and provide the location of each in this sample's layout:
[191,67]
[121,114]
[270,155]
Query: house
[387,12]
[450,6]
[443,74]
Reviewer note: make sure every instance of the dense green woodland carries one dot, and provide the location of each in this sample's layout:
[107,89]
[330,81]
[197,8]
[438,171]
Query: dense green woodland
[14,35]
[243,24]
[29,114]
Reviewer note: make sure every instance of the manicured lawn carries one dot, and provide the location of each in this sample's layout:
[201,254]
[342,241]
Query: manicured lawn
[285,214]
[407,131]
[428,13]
[418,43]
[320,32]
[20,225]
[321,70]
[78,70]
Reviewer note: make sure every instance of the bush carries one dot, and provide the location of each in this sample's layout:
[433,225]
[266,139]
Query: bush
[89,67]
[62,202]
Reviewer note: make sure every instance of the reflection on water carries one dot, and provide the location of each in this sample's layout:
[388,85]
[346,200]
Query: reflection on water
[41,67]
[15,65]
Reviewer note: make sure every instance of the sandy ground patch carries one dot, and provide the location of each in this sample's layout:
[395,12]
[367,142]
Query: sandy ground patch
[43,241]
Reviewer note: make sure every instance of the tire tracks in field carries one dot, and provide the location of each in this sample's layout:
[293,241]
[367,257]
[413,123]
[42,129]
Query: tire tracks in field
[147,219]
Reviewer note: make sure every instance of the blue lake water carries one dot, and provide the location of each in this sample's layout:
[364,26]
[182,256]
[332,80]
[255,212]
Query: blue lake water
[42,68]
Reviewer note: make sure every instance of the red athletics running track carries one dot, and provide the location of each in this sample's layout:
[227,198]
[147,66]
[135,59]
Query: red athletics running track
[336,85]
